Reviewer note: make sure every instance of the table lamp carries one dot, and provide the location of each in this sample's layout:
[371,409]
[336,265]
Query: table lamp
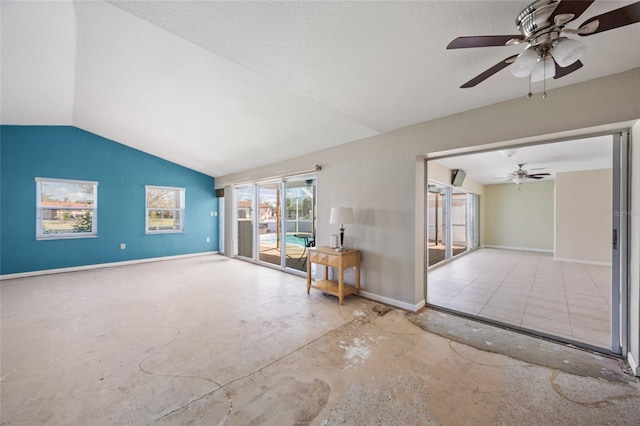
[341,215]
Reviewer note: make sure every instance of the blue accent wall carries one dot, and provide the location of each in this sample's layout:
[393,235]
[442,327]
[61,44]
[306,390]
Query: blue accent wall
[65,152]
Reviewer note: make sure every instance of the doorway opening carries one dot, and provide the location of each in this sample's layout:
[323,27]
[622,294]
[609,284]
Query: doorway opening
[546,262]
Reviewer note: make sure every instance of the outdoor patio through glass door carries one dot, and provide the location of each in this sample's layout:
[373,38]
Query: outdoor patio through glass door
[244,219]
[300,223]
[269,241]
[276,222]
[452,224]
[459,219]
[437,223]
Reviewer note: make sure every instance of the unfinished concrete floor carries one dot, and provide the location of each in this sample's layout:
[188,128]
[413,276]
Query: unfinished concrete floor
[207,341]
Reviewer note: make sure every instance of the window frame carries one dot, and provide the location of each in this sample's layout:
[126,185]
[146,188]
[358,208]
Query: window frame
[181,210]
[41,235]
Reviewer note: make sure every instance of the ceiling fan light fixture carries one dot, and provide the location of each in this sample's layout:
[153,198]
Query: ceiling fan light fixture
[544,69]
[542,25]
[524,63]
[567,51]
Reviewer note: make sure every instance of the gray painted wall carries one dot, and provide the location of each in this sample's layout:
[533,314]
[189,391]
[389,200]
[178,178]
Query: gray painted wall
[382,177]
[519,216]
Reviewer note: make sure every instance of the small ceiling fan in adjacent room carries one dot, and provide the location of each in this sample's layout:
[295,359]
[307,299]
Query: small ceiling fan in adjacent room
[548,51]
[520,175]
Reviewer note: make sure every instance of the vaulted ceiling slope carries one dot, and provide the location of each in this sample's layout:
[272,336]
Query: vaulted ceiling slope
[221,87]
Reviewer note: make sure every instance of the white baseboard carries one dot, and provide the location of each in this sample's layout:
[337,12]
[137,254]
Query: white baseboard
[518,248]
[586,262]
[633,364]
[559,259]
[393,302]
[101,265]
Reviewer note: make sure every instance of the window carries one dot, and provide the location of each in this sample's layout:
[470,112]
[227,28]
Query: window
[66,208]
[165,209]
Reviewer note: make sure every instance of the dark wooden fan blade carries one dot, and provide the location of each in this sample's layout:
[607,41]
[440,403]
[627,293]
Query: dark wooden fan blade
[539,174]
[615,19]
[561,72]
[482,41]
[488,73]
[574,7]
[534,177]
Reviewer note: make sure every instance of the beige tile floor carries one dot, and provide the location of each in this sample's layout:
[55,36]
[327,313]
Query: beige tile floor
[530,290]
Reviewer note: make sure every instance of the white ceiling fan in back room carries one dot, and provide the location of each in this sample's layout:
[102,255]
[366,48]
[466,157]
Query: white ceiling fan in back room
[519,176]
[548,52]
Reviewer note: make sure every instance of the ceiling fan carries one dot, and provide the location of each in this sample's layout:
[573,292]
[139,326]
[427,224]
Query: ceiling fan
[548,52]
[521,175]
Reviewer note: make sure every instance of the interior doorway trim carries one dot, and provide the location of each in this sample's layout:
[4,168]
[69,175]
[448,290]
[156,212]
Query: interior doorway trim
[620,241]
[620,232]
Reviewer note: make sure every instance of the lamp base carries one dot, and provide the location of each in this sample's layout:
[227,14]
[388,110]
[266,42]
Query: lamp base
[341,246]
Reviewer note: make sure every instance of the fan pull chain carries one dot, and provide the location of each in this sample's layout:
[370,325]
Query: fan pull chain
[544,75]
[544,81]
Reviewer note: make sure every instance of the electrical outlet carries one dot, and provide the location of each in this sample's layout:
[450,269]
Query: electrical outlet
[208,239]
[123,246]
[213,214]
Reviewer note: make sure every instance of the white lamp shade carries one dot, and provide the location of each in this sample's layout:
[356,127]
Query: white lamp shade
[544,69]
[567,51]
[524,63]
[341,215]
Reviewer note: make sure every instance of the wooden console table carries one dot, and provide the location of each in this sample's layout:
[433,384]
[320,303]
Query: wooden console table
[341,260]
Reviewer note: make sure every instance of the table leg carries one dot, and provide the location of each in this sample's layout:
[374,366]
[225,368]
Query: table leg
[341,284]
[308,277]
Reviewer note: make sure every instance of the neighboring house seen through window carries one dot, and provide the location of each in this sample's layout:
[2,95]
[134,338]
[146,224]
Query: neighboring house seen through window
[165,209]
[66,208]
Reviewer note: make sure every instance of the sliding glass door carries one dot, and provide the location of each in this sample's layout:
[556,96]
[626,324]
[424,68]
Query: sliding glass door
[299,221]
[437,214]
[244,217]
[276,221]
[452,222]
[459,217]
[269,242]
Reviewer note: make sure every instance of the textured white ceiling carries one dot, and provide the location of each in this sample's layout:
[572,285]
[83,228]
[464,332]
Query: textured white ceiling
[38,63]
[492,168]
[225,86]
